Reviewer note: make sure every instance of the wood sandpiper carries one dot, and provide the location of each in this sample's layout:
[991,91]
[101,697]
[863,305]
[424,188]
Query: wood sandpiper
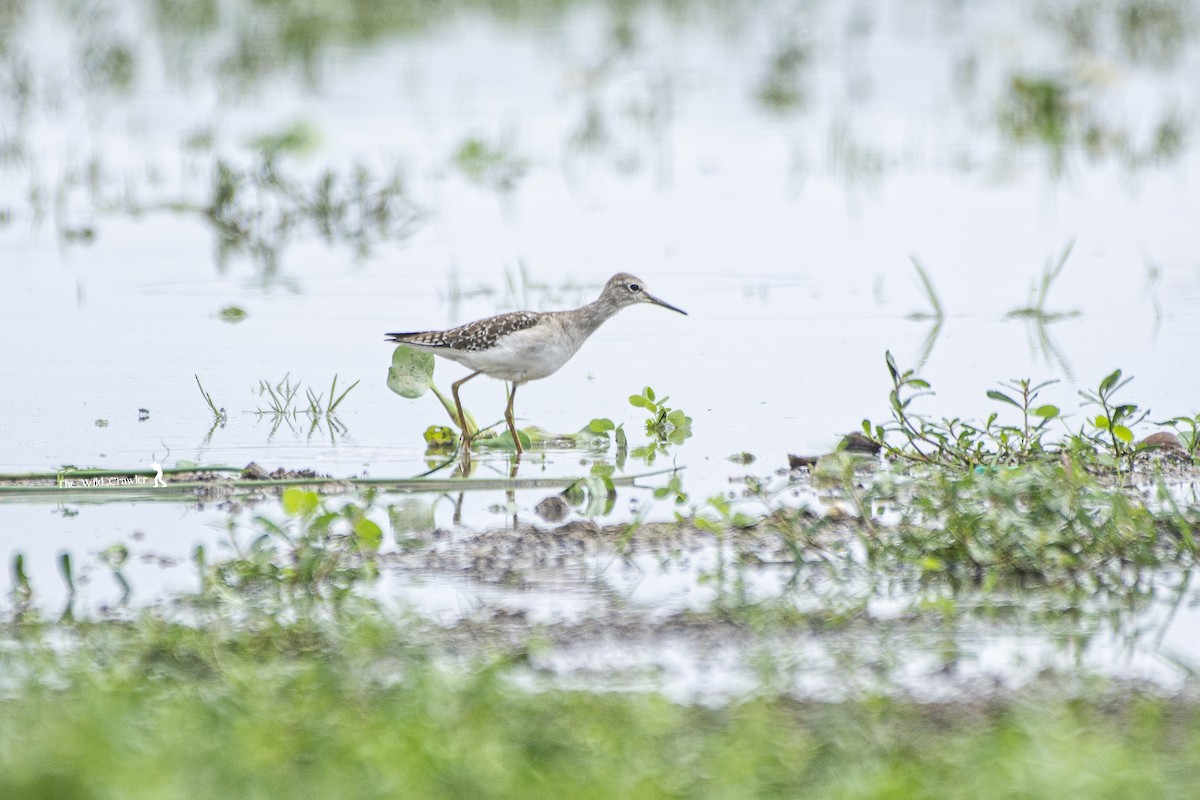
[523,346]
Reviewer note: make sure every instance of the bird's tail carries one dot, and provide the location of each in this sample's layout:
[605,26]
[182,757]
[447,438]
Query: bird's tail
[401,338]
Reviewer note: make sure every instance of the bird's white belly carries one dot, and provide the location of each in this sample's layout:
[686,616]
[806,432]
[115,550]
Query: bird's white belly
[520,357]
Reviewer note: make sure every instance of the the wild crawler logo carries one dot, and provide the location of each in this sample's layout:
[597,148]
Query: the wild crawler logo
[110,479]
[104,480]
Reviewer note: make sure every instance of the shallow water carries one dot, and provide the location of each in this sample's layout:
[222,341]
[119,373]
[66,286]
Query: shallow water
[773,170]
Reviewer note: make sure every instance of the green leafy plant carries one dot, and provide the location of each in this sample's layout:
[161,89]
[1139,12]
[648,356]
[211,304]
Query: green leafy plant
[673,491]
[1105,441]
[1113,425]
[411,376]
[316,554]
[1188,429]
[595,495]
[949,442]
[280,397]
[663,423]
[1025,439]
[318,408]
[282,402]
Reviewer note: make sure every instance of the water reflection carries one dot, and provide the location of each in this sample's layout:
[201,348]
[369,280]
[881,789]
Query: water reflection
[627,96]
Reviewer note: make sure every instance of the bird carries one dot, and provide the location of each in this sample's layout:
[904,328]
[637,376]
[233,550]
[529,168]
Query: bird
[524,346]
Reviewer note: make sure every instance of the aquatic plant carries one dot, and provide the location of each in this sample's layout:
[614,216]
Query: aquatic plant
[220,417]
[1103,441]
[663,424]
[1040,290]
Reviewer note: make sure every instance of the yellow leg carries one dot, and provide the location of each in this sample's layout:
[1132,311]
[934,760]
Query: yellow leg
[508,417]
[462,418]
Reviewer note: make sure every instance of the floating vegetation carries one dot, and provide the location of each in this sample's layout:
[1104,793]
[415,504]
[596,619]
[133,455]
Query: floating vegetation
[259,210]
[784,89]
[1039,108]
[495,165]
[1061,114]
[298,139]
[663,423]
[232,314]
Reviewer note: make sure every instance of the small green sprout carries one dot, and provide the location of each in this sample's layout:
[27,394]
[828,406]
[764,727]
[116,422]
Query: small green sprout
[664,424]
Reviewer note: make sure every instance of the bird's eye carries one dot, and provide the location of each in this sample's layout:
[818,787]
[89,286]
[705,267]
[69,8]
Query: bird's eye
[635,288]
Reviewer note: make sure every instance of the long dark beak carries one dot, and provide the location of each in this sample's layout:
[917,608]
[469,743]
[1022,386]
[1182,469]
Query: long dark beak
[652,299]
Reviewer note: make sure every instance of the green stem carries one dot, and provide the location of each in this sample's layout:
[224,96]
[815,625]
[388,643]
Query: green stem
[448,404]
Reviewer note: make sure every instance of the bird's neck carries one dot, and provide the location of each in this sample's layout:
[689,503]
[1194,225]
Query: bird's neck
[593,315]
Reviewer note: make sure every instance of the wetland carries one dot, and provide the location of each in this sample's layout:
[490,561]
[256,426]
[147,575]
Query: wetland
[905,507]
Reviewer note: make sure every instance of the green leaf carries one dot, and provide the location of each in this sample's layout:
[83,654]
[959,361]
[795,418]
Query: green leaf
[1046,411]
[20,578]
[1122,433]
[1123,411]
[932,564]
[1110,381]
[440,436]
[1102,422]
[411,372]
[622,441]
[64,566]
[505,440]
[601,425]
[299,502]
[637,401]
[320,525]
[603,470]
[232,314]
[1002,398]
[299,137]
[648,393]
[115,555]
[368,534]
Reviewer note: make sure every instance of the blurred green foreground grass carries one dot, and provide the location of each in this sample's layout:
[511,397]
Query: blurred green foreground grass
[357,708]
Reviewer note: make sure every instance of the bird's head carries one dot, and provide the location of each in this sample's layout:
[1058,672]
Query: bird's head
[624,289]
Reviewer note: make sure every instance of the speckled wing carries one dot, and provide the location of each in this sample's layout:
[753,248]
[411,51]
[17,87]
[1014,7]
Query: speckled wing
[479,335]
